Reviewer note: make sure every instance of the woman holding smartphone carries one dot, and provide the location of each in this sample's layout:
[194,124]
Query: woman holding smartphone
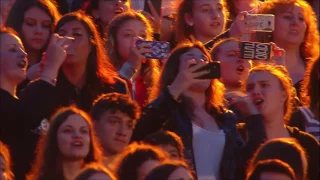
[194,109]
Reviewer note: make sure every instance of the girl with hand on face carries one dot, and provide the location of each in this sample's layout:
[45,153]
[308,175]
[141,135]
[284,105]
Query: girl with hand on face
[127,57]
[104,11]
[34,20]
[271,91]
[77,66]
[194,109]
[296,31]
[69,145]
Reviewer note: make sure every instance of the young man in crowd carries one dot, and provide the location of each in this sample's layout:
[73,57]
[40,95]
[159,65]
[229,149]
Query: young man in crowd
[114,117]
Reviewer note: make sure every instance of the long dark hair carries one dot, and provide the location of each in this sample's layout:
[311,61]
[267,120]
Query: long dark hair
[98,69]
[94,4]
[214,94]
[164,170]
[48,165]
[16,16]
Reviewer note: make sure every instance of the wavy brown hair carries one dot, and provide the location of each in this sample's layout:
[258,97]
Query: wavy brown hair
[98,69]
[112,49]
[5,154]
[282,74]
[48,164]
[310,46]
[183,30]
[215,92]
[310,86]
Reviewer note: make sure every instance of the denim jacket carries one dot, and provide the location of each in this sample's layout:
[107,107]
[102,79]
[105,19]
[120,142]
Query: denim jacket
[165,113]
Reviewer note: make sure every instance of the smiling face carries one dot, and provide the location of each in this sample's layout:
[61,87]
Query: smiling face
[197,56]
[13,61]
[233,70]
[36,28]
[114,130]
[73,138]
[126,33]
[80,48]
[108,9]
[266,93]
[290,26]
[207,18]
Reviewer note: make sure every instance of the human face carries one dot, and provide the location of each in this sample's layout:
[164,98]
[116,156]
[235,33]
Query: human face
[73,138]
[274,175]
[125,35]
[3,169]
[266,93]
[36,28]
[79,50]
[13,59]
[114,130]
[290,26]
[108,9]
[99,175]
[233,70]
[171,150]
[146,168]
[207,18]
[197,56]
[180,173]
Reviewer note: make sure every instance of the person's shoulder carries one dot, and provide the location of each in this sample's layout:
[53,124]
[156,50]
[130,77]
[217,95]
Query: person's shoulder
[302,137]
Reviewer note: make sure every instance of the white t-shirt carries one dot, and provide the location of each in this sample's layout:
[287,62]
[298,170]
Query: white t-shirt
[208,149]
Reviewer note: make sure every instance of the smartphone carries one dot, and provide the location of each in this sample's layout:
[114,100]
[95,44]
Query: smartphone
[254,50]
[213,69]
[160,49]
[265,22]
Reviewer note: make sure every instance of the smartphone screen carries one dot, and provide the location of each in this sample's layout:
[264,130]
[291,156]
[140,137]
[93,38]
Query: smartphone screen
[254,50]
[265,22]
[213,69]
[160,49]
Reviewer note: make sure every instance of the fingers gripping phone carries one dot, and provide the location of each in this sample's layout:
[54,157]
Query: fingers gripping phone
[213,69]
[160,49]
[254,50]
[265,22]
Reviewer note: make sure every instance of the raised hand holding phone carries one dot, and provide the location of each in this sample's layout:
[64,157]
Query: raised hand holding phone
[240,25]
[136,53]
[187,76]
[278,56]
[55,55]
[159,49]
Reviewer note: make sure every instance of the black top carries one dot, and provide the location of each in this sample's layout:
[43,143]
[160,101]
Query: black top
[307,141]
[18,117]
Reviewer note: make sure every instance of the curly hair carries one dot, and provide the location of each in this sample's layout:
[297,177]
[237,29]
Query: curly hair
[183,31]
[310,46]
[113,54]
[48,163]
[282,74]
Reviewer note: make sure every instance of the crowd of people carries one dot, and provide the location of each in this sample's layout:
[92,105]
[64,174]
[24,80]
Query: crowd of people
[80,100]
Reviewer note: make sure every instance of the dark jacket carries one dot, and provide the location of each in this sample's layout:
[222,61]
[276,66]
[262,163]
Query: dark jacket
[166,113]
[18,119]
[307,141]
